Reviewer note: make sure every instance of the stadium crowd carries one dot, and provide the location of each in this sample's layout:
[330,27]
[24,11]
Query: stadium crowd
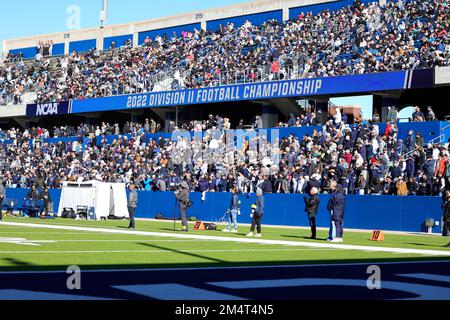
[362,159]
[353,40]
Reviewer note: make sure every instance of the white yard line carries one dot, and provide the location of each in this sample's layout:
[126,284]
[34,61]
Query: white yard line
[160,251]
[240,240]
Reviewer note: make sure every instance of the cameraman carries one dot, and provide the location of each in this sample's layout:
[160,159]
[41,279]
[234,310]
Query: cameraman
[312,205]
[182,196]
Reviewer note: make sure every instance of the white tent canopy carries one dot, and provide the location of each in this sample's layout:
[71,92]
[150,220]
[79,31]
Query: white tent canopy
[107,199]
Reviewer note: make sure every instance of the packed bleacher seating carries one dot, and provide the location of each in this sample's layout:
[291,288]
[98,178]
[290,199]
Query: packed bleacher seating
[360,157]
[356,39]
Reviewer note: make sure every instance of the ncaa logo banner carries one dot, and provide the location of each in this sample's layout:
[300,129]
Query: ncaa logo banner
[49,109]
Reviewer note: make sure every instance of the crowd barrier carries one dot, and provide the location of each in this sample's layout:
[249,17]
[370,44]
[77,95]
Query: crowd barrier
[389,213]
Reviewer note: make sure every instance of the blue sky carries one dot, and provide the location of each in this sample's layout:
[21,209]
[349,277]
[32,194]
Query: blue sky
[49,16]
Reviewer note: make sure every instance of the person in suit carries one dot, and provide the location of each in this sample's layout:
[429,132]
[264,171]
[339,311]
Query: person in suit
[257,214]
[312,206]
[132,205]
[446,208]
[182,196]
[336,206]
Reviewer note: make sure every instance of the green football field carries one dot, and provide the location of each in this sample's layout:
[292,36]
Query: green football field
[24,248]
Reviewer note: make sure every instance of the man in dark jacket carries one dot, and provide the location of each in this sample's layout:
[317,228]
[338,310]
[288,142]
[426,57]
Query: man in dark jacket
[45,197]
[312,205]
[336,206]
[183,203]
[257,214]
[132,205]
[446,208]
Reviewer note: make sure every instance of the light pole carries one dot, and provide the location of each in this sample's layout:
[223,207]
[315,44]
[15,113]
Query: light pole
[104,14]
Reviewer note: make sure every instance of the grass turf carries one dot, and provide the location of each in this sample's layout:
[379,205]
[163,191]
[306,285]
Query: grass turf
[91,250]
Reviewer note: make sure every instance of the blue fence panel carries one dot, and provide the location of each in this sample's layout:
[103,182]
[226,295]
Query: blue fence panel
[429,130]
[27,53]
[316,8]
[152,34]
[58,49]
[82,46]
[361,212]
[119,40]
[256,19]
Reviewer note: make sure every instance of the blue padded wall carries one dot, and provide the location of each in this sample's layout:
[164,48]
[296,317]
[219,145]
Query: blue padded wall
[28,53]
[58,49]
[118,39]
[362,212]
[82,46]
[256,19]
[168,31]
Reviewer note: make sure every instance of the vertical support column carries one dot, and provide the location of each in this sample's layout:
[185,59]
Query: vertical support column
[91,121]
[285,9]
[381,106]
[269,116]
[322,110]
[169,116]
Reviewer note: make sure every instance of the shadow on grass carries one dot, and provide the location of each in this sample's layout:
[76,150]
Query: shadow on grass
[303,237]
[428,245]
[216,263]
[190,254]
[17,262]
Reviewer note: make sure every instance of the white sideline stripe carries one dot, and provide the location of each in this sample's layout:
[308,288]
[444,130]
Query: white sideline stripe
[241,240]
[161,251]
[90,240]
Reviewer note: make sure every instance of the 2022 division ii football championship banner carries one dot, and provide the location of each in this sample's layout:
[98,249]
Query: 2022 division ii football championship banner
[250,91]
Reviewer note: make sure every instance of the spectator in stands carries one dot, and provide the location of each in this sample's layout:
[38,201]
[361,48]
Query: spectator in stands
[417,115]
[420,40]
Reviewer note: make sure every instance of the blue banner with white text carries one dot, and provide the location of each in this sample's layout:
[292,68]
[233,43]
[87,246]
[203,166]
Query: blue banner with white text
[49,109]
[251,91]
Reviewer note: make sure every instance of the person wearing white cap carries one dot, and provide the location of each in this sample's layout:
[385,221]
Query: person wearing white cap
[311,208]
